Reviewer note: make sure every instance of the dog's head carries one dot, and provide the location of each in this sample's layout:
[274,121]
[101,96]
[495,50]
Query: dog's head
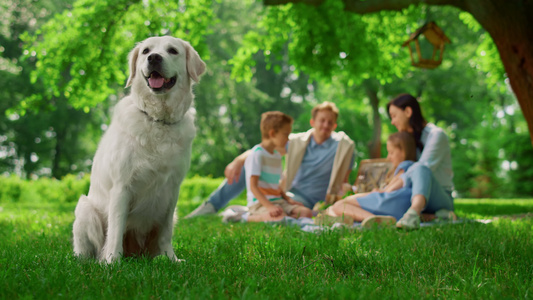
[162,63]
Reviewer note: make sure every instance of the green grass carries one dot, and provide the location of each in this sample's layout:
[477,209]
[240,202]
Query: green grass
[249,261]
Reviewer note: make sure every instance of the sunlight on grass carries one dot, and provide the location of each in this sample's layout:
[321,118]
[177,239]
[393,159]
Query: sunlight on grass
[273,261]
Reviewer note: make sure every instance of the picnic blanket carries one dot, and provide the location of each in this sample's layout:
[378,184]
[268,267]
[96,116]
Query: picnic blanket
[308,224]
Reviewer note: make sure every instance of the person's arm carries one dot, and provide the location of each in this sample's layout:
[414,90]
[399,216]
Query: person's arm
[232,172]
[435,150]
[395,183]
[289,199]
[274,210]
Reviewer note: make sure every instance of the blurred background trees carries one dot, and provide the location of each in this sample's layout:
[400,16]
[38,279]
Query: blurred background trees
[63,65]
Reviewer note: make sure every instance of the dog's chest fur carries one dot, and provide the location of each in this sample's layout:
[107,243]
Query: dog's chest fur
[162,159]
[161,150]
[153,156]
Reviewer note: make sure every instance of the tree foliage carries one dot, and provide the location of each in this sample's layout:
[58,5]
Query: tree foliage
[329,43]
[82,53]
[45,142]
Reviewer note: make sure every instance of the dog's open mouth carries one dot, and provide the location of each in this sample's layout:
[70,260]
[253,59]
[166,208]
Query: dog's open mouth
[159,83]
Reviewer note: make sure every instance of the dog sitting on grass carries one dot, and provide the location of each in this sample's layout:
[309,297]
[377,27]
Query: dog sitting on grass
[142,158]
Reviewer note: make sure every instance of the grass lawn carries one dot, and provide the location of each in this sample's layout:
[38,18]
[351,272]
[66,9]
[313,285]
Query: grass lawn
[249,261]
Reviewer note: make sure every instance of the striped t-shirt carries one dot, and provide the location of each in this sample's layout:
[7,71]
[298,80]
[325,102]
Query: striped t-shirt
[268,167]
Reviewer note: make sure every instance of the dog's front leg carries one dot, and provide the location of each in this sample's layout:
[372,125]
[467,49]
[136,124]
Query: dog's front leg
[165,237]
[116,219]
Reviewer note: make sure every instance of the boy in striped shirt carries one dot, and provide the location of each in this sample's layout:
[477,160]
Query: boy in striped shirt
[263,168]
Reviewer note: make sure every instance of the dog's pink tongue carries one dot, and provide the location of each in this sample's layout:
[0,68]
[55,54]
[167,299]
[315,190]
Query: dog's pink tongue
[156,82]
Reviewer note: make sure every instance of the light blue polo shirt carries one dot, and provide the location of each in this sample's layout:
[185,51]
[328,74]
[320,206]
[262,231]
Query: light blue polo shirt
[312,178]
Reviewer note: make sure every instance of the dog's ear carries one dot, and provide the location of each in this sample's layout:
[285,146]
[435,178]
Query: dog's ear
[195,65]
[133,64]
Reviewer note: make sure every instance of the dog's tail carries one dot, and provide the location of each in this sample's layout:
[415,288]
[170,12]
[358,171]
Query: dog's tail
[88,230]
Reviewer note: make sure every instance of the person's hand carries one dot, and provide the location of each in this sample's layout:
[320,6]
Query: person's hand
[274,210]
[233,171]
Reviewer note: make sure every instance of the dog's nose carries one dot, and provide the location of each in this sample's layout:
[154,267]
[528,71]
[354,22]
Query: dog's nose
[155,58]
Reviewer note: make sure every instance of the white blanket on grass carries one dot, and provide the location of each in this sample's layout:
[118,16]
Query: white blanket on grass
[308,224]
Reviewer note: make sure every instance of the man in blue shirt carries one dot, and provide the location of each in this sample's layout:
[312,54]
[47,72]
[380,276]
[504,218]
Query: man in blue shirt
[312,177]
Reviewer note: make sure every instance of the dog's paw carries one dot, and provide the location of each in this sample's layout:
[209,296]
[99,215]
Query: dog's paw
[110,258]
[177,260]
[172,256]
[164,259]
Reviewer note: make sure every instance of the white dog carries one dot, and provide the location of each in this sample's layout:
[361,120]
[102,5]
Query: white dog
[142,158]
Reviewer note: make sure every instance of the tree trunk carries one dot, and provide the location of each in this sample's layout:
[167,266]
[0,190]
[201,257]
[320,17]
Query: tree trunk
[58,154]
[374,145]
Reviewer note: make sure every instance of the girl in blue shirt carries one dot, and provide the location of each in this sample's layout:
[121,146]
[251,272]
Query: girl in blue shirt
[392,202]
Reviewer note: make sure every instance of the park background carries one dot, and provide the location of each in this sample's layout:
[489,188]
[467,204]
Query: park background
[63,66]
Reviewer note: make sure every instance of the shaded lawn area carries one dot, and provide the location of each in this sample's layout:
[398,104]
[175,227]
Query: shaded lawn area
[468,260]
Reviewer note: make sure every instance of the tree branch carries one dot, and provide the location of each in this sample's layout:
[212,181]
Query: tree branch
[370,6]
[283,2]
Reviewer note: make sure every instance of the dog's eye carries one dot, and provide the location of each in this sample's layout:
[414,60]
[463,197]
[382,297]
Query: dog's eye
[172,51]
[146,50]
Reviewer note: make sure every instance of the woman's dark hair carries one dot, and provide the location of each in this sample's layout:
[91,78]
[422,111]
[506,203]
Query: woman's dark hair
[416,121]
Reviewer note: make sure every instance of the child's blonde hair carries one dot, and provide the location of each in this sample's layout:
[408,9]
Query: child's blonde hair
[326,106]
[273,120]
[405,142]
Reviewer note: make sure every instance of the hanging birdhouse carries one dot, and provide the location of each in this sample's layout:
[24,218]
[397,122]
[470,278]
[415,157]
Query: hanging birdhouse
[436,38]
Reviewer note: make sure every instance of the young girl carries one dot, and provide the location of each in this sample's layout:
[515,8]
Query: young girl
[389,204]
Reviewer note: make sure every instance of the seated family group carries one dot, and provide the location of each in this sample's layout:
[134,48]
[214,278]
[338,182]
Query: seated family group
[318,163]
